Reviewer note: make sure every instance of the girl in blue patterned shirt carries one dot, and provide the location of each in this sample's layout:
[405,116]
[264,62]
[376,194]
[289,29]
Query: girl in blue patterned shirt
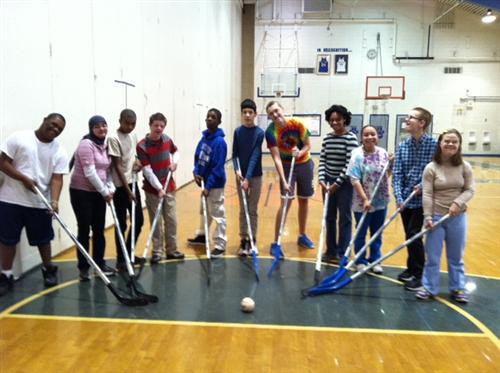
[365,169]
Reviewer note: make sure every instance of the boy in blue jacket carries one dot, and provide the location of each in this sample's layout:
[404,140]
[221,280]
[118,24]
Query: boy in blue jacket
[209,160]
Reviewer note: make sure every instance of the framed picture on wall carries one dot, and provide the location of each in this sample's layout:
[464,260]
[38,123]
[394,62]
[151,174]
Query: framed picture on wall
[381,123]
[312,122]
[341,63]
[356,125]
[323,63]
[401,132]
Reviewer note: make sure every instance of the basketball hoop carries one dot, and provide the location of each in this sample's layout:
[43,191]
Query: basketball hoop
[278,93]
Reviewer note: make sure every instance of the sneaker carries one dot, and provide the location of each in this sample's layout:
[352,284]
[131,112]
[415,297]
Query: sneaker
[413,285]
[6,283]
[328,258]
[271,252]
[175,255]
[377,269]
[84,275]
[155,258]
[304,241]
[121,267]
[199,240]
[139,260]
[406,276]
[423,294]
[49,275]
[108,271]
[360,267]
[243,249]
[459,296]
[217,253]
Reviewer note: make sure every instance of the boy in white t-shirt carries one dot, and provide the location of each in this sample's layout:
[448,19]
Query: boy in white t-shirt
[121,148]
[29,159]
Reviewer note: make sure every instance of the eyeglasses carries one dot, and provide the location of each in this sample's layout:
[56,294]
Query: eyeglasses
[412,117]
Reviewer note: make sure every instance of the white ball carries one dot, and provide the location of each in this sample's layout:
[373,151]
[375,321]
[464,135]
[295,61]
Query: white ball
[247,304]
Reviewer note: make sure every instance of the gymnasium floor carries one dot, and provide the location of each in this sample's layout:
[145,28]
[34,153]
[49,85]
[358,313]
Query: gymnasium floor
[371,324]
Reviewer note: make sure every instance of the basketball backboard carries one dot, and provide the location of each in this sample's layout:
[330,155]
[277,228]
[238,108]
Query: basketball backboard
[279,82]
[385,87]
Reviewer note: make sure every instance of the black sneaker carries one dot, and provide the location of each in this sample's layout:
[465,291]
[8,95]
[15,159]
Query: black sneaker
[414,285]
[243,249]
[84,275]
[405,276]
[108,271]
[155,259]
[217,253]
[328,258]
[6,283]
[121,267]
[199,240]
[139,260]
[175,255]
[49,275]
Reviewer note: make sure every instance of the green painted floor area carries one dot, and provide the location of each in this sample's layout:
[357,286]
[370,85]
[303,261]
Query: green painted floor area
[368,302]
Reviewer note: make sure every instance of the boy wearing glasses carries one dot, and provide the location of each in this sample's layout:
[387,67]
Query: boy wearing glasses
[412,155]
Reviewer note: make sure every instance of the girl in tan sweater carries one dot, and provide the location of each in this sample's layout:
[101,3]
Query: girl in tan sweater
[448,184]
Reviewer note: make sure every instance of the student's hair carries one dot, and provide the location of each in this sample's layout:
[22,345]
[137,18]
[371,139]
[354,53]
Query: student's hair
[248,104]
[56,115]
[127,113]
[341,110]
[217,112]
[456,160]
[425,115]
[157,116]
[271,103]
[368,126]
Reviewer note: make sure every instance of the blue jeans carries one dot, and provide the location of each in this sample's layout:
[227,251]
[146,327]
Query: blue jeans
[453,232]
[374,220]
[340,201]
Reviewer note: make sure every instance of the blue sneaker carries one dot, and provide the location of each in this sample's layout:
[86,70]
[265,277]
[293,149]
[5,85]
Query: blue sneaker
[272,251]
[304,241]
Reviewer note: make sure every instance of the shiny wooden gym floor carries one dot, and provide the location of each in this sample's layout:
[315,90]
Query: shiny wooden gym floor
[373,324]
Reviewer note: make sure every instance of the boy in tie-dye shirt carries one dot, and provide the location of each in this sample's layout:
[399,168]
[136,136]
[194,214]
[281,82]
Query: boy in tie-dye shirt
[287,138]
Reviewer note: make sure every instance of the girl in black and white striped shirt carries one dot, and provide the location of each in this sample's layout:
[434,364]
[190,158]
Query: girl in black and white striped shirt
[333,161]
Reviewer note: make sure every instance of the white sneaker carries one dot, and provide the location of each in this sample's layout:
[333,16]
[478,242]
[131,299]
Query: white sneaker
[377,269]
[360,267]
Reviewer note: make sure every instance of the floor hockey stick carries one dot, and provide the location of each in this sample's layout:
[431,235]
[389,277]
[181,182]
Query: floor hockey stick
[134,301]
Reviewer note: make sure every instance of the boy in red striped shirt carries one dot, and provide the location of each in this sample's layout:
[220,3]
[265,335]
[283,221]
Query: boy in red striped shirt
[159,155]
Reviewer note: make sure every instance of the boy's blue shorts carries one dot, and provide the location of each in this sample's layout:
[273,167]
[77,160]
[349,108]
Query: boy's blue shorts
[13,218]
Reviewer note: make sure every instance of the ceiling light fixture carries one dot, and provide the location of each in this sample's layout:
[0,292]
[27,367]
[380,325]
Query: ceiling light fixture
[489,17]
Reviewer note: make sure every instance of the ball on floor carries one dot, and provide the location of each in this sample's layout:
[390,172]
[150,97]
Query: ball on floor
[247,304]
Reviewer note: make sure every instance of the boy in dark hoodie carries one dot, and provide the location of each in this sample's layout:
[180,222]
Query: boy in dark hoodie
[209,160]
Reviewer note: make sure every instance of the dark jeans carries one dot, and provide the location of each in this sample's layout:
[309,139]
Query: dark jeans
[122,205]
[340,202]
[90,212]
[413,219]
